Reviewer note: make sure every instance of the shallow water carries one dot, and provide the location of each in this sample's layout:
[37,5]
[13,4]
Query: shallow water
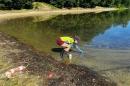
[105,39]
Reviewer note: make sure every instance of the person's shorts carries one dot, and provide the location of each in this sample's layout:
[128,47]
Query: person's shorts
[63,44]
[59,42]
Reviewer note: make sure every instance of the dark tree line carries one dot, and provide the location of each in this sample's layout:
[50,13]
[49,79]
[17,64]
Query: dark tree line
[15,4]
[27,4]
[87,3]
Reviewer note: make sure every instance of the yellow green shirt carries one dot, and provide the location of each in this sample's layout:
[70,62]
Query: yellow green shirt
[67,39]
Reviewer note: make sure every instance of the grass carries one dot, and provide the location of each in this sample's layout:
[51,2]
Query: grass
[18,80]
[39,5]
[24,79]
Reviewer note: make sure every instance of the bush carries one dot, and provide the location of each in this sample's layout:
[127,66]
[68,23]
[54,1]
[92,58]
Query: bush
[28,5]
[37,5]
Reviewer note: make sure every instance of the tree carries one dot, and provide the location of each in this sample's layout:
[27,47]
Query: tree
[19,4]
[16,4]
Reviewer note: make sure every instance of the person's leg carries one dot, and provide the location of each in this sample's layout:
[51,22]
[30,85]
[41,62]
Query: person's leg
[62,54]
[69,55]
[67,48]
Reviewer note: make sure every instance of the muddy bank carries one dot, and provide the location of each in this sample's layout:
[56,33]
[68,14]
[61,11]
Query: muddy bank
[42,65]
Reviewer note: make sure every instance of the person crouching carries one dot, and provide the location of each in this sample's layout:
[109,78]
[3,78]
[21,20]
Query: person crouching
[66,43]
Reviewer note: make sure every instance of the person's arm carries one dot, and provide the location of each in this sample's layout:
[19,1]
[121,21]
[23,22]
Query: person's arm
[78,48]
[67,49]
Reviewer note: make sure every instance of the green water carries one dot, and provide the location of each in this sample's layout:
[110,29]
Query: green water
[105,38]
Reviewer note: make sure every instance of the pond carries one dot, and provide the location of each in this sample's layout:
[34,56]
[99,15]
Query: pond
[105,38]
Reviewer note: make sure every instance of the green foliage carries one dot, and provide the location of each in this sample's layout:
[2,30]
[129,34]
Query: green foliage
[19,4]
[36,5]
[88,3]
[16,4]
[42,5]
[28,5]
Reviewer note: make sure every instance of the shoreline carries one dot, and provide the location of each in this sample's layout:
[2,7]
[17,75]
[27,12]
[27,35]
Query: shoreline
[40,64]
[28,13]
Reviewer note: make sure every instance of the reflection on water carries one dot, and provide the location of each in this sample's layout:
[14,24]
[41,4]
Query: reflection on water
[103,30]
[108,33]
[117,37]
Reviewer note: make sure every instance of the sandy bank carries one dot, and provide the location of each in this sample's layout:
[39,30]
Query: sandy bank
[15,14]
